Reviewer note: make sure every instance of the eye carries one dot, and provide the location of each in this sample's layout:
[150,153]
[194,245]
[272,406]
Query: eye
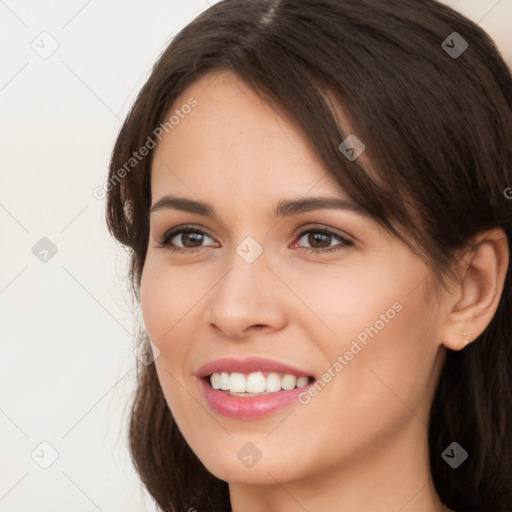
[320,239]
[188,239]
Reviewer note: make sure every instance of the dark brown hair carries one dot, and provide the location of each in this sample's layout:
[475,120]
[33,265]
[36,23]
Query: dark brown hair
[438,136]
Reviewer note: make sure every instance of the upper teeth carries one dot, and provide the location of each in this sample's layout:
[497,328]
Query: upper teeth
[256,382]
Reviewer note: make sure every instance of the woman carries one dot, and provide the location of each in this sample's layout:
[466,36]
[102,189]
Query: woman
[314,198]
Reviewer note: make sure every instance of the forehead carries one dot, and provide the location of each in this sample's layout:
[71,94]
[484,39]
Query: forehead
[233,136]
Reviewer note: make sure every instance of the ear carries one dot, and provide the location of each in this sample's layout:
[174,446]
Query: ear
[474,297]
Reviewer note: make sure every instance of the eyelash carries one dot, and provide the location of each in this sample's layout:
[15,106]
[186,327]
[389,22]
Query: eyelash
[165,242]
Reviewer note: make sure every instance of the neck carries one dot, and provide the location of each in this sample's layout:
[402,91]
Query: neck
[393,478]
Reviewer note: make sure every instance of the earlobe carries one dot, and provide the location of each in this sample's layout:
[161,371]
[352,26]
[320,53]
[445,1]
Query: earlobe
[474,299]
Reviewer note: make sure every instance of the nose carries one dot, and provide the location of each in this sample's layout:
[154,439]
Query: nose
[247,299]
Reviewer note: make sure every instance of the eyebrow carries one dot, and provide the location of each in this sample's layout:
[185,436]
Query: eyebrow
[284,207]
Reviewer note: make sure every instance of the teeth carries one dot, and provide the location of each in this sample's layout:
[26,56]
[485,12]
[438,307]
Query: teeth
[273,383]
[224,381]
[215,380]
[237,383]
[255,382]
[288,382]
[302,381]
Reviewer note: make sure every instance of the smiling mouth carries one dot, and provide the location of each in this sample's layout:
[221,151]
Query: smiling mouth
[255,383]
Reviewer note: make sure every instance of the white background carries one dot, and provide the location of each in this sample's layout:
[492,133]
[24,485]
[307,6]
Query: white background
[67,362]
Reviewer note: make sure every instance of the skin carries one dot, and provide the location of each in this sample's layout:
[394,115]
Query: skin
[362,441]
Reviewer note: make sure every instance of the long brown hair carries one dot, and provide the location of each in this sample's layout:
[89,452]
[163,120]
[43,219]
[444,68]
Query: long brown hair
[437,127]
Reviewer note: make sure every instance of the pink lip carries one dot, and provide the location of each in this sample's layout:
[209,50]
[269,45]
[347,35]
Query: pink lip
[252,364]
[248,407]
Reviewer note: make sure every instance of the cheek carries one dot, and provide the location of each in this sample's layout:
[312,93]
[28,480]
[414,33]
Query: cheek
[388,353]
[375,328]
[336,305]
[167,295]
[152,300]
[165,302]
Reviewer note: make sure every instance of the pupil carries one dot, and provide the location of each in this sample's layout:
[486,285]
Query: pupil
[193,237]
[317,237]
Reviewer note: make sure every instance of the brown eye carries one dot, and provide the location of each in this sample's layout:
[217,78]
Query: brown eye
[184,238]
[320,241]
[191,239]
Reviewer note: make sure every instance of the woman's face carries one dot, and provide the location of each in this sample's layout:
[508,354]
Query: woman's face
[244,283]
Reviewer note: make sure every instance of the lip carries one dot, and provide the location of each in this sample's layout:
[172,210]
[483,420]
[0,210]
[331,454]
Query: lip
[248,408]
[249,365]
[254,406]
